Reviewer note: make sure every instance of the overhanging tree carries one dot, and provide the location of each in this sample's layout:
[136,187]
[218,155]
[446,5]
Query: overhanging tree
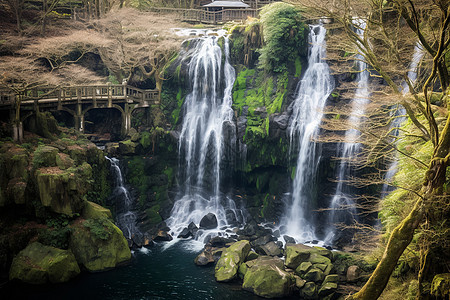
[393,27]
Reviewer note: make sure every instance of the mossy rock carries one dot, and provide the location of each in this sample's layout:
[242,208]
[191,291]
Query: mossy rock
[17,165]
[62,191]
[303,268]
[230,260]
[309,291]
[327,289]
[45,156]
[251,256]
[314,275]
[267,278]
[92,210]
[127,147]
[331,278]
[316,258]
[296,254]
[96,252]
[440,287]
[39,264]
[16,190]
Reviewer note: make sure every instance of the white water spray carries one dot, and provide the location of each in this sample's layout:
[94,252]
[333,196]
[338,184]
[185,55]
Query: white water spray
[207,133]
[313,91]
[126,219]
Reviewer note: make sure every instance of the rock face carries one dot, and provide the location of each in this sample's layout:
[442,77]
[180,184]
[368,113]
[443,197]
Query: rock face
[39,264]
[296,254]
[230,260]
[209,221]
[98,245]
[266,277]
[94,211]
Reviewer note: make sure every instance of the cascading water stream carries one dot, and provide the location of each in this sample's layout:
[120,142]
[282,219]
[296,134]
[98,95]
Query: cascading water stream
[342,206]
[399,116]
[126,219]
[312,93]
[207,133]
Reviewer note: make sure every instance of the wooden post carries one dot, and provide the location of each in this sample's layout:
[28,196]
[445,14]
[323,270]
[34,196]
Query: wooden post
[94,96]
[59,99]
[109,95]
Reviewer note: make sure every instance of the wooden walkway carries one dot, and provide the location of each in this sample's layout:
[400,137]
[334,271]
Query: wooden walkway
[77,101]
[95,94]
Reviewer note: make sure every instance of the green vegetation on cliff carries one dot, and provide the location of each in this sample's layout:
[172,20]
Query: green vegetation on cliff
[284,36]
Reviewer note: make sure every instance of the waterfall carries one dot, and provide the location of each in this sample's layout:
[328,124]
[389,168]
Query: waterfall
[398,115]
[342,206]
[206,140]
[312,93]
[125,218]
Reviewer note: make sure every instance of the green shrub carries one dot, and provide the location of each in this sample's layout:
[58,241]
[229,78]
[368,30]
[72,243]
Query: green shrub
[57,232]
[284,36]
[101,228]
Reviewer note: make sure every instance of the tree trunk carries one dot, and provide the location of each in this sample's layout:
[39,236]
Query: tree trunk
[400,238]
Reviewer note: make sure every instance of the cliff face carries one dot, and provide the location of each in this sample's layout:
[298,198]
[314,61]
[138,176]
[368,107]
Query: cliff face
[45,185]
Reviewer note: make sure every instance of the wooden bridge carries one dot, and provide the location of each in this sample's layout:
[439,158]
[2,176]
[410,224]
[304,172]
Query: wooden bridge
[208,17]
[77,100]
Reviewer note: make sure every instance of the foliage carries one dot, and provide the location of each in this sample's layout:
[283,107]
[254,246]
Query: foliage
[101,228]
[284,35]
[57,232]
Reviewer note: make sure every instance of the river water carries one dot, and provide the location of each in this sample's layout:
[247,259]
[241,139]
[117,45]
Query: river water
[158,274]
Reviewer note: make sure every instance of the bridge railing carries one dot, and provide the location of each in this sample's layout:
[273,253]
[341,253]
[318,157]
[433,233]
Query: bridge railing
[91,92]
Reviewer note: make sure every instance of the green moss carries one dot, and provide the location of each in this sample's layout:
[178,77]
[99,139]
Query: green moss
[100,228]
[284,36]
[293,171]
[38,264]
[227,267]
[137,177]
[95,252]
[397,204]
[265,205]
[170,174]
[298,67]
[153,214]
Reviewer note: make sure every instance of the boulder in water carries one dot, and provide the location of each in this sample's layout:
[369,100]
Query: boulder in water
[262,240]
[192,228]
[230,260]
[98,245]
[204,258]
[209,221]
[267,278]
[288,239]
[185,233]
[162,236]
[220,241]
[39,264]
[296,254]
[269,249]
[138,239]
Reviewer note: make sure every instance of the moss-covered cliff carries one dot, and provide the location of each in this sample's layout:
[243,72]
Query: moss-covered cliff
[45,185]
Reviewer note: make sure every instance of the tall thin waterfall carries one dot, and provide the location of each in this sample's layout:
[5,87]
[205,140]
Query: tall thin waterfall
[399,115]
[206,139]
[313,91]
[125,219]
[342,207]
